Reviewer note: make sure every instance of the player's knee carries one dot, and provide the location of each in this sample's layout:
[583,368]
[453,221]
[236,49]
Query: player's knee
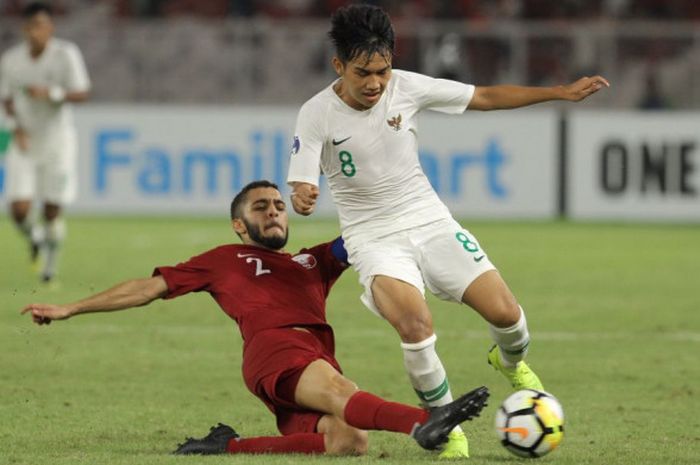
[504,312]
[20,211]
[51,212]
[414,328]
[19,217]
[341,388]
[346,440]
[333,393]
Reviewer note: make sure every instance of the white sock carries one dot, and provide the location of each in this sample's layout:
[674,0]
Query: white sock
[38,234]
[55,233]
[427,375]
[512,341]
[426,372]
[28,229]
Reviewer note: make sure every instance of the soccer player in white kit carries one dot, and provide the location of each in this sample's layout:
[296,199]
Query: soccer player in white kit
[361,132]
[39,78]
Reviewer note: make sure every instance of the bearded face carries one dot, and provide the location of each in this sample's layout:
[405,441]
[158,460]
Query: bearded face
[272,235]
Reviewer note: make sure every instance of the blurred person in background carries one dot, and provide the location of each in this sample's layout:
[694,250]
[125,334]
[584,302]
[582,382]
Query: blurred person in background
[39,79]
[361,132]
[445,58]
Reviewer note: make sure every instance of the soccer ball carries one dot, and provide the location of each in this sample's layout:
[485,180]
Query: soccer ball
[530,423]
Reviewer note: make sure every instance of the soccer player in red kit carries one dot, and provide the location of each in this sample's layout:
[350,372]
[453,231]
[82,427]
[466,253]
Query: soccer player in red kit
[278,301]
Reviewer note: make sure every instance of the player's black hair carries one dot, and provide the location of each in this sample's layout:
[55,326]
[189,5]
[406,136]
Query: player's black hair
[34,8]
[239,199]
[361,29]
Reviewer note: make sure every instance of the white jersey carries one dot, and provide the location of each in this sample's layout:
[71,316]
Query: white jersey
[60,64]
[370,157]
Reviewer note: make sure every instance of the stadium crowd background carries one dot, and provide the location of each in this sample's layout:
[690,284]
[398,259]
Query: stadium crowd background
[276,52]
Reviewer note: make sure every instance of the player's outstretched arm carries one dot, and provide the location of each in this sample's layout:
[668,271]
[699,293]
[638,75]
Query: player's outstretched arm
[304,197]
[507,96]
[133,293]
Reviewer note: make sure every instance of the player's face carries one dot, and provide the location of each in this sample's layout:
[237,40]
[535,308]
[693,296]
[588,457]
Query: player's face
[363,79]
[38,30]
[264,221]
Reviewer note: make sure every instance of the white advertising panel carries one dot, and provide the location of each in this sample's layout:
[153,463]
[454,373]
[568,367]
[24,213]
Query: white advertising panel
[493,165]
[192,160]
[634,166]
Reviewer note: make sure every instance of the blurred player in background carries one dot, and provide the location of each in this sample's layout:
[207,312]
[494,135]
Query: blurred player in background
[279,303]
[361,132]
[39,79]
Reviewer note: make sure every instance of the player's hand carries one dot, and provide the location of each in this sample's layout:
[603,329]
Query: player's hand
[304,198]
[38,92]
[44,314]
[21,138]
[584,87]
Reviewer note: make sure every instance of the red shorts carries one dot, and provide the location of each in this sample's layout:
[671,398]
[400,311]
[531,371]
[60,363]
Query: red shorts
[273,362]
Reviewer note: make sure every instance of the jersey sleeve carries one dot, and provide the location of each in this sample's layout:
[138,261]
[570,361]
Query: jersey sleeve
[440,95]
[194,275]
[305,161]
[77,79]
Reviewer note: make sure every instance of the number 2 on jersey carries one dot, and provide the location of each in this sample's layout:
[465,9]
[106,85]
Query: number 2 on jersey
[258,266]
[346,164]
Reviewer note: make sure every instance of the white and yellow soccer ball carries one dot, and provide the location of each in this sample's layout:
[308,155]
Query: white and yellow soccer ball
[530,423]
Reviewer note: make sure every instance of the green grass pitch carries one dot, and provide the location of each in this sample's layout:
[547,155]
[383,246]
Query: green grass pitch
[613,311]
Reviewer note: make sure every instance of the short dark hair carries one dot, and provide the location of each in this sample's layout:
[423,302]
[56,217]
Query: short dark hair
[240,198]
[361,29]
[34,8]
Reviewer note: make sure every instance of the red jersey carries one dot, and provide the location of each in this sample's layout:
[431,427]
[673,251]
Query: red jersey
[259,288]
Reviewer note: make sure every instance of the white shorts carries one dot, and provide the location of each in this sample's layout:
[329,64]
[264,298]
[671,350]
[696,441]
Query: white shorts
[442,255]
[46,173]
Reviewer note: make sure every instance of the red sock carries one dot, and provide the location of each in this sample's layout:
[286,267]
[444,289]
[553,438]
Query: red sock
[300,443]
[367,411]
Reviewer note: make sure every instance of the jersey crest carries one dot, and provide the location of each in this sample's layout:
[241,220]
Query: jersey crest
[395,122]
[306,260]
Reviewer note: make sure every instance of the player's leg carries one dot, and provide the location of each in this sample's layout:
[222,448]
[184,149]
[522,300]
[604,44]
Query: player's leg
[404,307]
[459,270]
[306,432]
[55,231]
[21,189]
[394,291]
[20,211]
[322,388]
[272,366]
[58,176]
[490,297]
[224,439]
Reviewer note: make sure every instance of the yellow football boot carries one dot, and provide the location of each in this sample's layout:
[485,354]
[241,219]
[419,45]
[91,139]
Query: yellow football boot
[520,376]
[456,447]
